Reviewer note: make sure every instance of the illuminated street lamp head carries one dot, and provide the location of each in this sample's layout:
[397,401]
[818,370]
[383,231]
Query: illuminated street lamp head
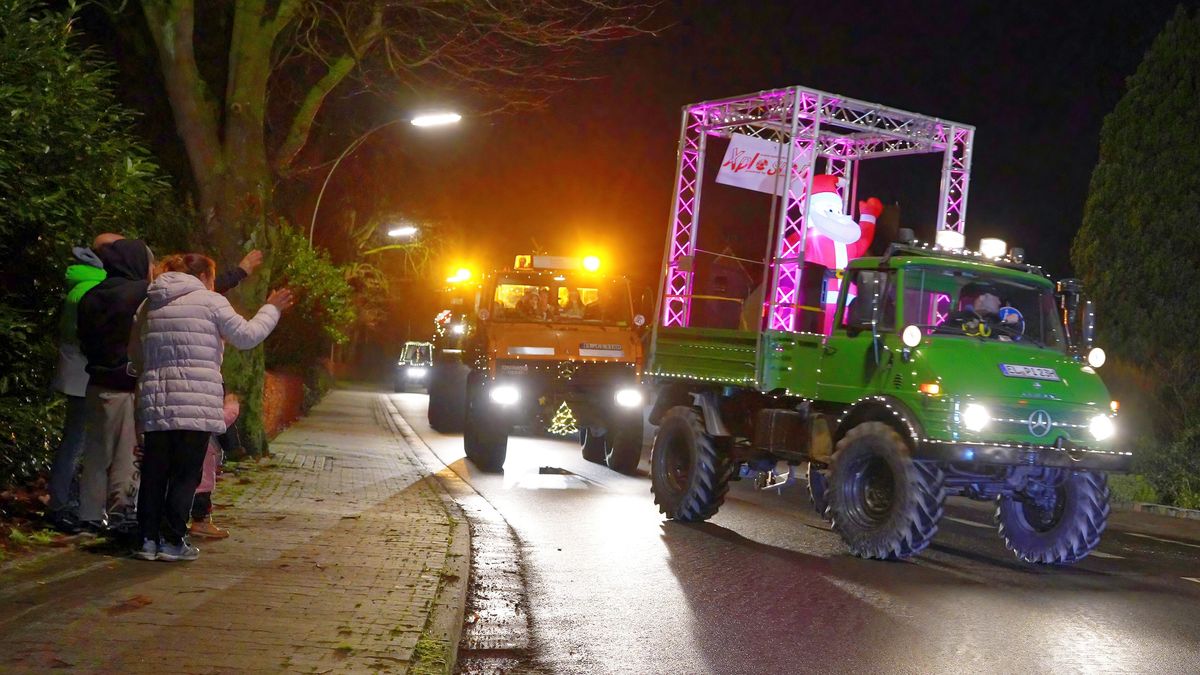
[591,263]
[436,119]
[403,231]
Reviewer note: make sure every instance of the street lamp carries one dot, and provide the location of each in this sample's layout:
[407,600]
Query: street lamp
[435,119]
[403,232]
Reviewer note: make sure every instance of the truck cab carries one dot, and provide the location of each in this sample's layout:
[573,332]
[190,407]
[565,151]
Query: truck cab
[547,333]
[412,368]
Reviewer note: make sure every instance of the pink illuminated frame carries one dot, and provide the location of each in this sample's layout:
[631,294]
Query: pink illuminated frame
[809,125]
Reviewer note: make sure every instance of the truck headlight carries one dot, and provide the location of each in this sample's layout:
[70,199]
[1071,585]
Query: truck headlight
[628,398]
[458,329]
[1102,427]
[416,373]
[975,417]
[504,394]
[1096,357]
[911,337]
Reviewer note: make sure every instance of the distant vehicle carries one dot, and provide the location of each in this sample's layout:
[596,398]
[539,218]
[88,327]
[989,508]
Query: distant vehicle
[897,379]
[522,342]
[414,366]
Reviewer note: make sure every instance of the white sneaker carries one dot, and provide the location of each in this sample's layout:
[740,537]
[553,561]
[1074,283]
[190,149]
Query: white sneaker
[176,552]
[148,551]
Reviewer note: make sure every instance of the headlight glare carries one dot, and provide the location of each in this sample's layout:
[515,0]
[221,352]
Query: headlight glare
[975,417]
[1102,427]
[416,372]
[628,398]
[504,394]
[911,337]
[1096,357]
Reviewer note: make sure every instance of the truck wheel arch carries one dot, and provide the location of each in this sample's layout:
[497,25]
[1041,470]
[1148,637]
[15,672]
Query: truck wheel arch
[704,400]
[886,409]
[667,397]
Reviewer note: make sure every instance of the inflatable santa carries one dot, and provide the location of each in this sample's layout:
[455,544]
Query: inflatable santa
[832,239]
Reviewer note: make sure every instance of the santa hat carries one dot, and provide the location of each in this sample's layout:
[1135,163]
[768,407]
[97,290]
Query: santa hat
[827,183]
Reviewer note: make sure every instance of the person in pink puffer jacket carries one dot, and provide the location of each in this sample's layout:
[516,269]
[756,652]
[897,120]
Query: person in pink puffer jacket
[181,332]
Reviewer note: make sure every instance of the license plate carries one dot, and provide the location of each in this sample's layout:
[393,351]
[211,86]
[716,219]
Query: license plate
[595,349]
[1031,372]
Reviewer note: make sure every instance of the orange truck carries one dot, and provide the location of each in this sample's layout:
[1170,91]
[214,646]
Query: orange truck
[524,341]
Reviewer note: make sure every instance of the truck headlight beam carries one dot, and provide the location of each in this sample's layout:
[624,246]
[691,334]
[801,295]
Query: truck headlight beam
[975,417]
[1102,427]
[628,398]
[504,394]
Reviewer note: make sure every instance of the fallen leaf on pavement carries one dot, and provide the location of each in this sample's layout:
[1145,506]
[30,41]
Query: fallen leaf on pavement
[131,605]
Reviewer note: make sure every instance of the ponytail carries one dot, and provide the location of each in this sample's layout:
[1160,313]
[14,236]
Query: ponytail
[194,264]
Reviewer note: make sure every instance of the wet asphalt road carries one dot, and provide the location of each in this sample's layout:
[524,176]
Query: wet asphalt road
[766,587]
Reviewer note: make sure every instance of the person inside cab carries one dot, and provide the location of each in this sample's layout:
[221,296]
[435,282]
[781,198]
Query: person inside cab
[980,309]
[574,307]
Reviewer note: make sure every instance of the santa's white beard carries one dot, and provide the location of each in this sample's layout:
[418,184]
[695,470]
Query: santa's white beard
[838,227]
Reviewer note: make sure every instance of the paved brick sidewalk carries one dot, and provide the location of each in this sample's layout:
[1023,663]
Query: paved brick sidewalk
[335,565]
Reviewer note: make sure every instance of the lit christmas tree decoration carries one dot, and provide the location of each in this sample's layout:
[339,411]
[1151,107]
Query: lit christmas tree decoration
[563,423]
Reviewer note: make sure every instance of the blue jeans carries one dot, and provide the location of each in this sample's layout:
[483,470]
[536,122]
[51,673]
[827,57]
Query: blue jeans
[64,471]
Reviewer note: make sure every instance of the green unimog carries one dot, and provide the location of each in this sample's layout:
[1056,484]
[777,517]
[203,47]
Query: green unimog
[941,372]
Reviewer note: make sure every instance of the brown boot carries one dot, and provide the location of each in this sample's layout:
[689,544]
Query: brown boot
[206,529]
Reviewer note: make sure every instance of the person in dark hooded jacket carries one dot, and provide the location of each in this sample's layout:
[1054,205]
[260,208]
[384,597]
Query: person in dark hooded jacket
[108,481]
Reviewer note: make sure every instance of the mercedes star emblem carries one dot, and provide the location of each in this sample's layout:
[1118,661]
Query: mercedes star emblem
[1039,423]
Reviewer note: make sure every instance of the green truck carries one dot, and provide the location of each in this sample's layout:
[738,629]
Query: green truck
[943,372]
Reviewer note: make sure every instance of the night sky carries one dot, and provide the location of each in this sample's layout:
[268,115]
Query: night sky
[1036,80]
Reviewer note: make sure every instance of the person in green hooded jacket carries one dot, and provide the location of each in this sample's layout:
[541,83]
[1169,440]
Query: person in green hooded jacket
[70,379]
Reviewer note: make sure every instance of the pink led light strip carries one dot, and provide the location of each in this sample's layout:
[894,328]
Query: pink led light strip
[789,243]
[677,295]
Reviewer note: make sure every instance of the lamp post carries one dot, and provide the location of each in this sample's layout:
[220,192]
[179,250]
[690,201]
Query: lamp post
[422,121]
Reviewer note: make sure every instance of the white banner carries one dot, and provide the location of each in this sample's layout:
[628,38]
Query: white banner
[754,163]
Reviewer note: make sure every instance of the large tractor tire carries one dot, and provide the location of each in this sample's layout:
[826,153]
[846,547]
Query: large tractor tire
[1061,530]
[485,433]
[447,396]
[623,447]
[592,444]
[882,503]
[689,470]
[818,484]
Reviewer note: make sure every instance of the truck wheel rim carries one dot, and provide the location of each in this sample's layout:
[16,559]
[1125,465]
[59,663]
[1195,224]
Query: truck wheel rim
[871,492]
[1042,519]
[678,467]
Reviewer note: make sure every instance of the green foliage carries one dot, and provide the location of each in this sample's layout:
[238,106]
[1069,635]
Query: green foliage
[317,382]
[1131,489]
[69,169]
[1140,220]
[324,308]
[1173,469]
[1139,238]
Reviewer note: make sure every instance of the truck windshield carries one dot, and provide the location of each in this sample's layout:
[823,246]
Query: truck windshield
[562,298]
[417,353]
[951,301]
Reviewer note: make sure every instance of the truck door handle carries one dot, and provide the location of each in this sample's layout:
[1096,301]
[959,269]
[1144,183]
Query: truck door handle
[829,349]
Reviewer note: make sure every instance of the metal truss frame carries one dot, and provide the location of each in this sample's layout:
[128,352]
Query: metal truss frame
[843,131]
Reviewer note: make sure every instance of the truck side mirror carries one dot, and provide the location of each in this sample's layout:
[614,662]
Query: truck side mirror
[646,301]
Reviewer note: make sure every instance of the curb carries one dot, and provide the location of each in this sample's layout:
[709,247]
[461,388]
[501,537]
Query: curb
[497,636]
[1159,510]
[446,616]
